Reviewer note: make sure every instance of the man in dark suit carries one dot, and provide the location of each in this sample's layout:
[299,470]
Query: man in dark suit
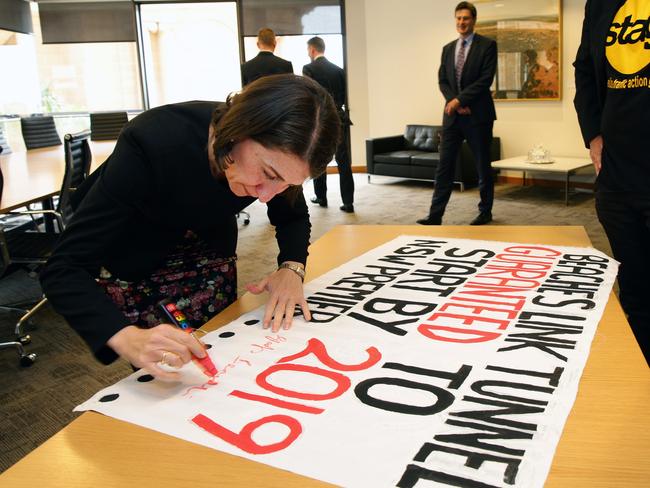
[466,72]
[611,65]
[332,78]
[265,63]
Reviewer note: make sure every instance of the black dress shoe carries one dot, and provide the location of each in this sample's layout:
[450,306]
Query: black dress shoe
[430,221]
[319,201]
[347,207]
[482,219]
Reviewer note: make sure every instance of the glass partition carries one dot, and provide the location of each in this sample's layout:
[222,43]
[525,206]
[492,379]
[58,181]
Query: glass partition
[190,50]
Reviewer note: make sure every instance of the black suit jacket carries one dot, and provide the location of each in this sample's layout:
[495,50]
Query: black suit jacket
[264,64]
[329,76]
[332,78]
[476,78]
[590,66]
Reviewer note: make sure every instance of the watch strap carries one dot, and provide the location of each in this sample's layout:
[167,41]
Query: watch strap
[299,270]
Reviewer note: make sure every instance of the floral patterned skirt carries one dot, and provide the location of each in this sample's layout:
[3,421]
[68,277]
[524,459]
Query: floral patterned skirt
[194,277]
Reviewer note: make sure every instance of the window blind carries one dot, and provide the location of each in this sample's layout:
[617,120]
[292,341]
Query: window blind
[15,16]
[292,17]
[63,23]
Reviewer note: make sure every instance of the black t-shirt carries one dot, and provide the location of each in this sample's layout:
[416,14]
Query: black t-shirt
[626,113]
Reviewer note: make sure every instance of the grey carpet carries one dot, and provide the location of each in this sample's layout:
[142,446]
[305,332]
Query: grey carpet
[37,402]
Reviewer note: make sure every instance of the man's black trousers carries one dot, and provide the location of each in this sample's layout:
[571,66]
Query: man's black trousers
[479,139]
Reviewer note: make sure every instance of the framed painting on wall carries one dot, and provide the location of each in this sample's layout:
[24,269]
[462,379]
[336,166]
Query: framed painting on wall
[528,35]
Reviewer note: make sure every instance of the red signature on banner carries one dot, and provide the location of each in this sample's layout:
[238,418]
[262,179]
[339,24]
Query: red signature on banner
[215,379]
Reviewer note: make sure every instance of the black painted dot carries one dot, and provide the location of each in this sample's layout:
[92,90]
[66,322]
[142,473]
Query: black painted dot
[252,322]
[208,346]
[109,398]
[145,378]
[226,334]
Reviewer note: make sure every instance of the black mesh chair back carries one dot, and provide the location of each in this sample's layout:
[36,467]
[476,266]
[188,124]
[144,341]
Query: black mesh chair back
[106,126]
[77,166]
[39,131]
[4,147]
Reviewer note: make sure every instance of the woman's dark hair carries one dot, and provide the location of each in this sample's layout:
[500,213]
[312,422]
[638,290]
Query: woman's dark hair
[291,113]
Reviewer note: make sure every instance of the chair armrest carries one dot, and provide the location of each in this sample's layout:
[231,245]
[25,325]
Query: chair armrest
[32,212]
[380,145]
[54,213]
[386,144]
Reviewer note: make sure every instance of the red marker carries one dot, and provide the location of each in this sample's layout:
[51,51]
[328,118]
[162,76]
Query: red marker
[178,318]
[205,364]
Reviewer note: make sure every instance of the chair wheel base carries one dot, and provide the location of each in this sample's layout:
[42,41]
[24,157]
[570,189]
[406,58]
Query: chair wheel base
[25,339]
[27,360]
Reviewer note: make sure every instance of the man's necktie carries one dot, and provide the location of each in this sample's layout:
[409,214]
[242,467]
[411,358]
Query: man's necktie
[460,62]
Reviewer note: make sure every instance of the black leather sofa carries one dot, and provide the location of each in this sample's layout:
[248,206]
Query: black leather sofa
[414,155]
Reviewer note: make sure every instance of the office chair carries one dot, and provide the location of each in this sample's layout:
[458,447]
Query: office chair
[77,168]
[33,248]
[106,126]
[39,131]
[25,359]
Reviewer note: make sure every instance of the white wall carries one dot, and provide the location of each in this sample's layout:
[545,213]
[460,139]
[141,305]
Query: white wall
[355,15]
[394,49]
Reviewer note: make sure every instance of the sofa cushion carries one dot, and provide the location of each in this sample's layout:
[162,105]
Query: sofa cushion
[422,137]
[425,159]
[396,157]
[423,172]
[397,170]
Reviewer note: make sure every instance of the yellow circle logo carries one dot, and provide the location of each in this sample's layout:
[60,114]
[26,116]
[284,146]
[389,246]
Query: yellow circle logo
[628,40]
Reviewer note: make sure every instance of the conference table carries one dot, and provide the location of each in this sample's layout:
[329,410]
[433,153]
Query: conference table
[605,442]
[37,174]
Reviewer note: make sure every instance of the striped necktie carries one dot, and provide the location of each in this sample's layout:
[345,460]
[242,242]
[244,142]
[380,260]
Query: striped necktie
[460,62]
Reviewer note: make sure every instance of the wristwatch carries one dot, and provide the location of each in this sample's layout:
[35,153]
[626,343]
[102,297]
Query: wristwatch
[296,268]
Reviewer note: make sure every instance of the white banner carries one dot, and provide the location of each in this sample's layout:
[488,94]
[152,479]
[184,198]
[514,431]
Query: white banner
[449,360]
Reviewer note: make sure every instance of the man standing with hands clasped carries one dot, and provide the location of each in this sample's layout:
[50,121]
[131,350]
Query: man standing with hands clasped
[466,72]
[332,78]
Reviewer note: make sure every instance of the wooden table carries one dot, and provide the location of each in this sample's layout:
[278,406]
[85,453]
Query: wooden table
[561,165]
[37,174]
[605,443]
